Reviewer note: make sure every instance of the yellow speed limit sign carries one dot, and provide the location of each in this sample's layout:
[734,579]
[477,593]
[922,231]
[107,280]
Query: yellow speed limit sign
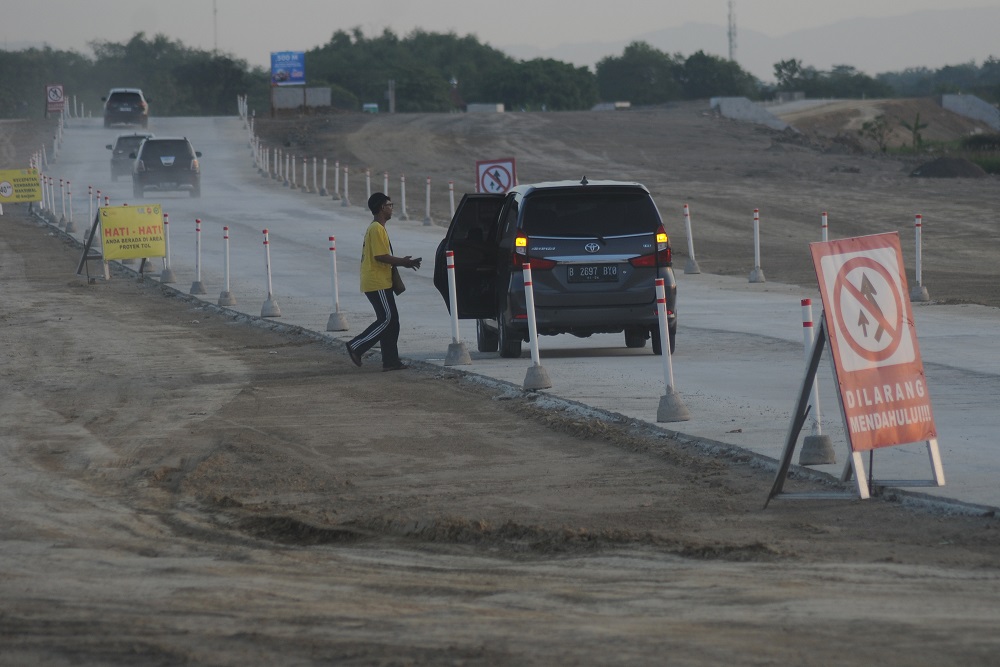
[19,185]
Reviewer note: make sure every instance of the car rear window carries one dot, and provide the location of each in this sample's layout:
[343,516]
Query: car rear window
[594,214]
[129,144]
[166,148]
[125,98]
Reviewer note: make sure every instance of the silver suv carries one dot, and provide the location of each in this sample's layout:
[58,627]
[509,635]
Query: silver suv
[595,249]
[125,106]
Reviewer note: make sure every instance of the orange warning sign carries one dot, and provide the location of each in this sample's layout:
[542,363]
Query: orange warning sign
[881,378]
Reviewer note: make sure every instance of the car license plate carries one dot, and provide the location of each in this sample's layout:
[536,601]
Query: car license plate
[592,273]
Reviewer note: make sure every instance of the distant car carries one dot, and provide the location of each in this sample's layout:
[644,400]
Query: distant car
[125,106]
[125,145]
[595,249]
[166,163]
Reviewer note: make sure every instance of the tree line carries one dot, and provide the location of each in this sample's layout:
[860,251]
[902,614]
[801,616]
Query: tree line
[439,72]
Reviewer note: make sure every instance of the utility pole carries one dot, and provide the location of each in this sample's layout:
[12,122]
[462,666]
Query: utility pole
[732,30]
[215,28]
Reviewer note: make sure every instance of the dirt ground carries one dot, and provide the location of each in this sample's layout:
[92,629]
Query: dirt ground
[178,486]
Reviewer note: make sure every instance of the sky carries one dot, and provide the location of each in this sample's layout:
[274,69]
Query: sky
[252,29]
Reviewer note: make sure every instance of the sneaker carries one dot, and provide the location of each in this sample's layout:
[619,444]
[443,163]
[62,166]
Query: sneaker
[355,357]
[397,367]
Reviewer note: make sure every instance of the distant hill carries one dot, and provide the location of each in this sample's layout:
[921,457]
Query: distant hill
[931,39]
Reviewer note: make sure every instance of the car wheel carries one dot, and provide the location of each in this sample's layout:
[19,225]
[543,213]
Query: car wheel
[145,123]
[636,337]
[507,341]
[654,333]
[486,338]
[137,191]
[196,192]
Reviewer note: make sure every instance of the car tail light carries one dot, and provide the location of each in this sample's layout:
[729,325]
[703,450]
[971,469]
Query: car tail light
[520,257]
[194,165]
[140,166]
[663,255]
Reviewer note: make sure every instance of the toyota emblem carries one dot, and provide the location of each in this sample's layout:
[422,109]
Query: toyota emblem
[592,247]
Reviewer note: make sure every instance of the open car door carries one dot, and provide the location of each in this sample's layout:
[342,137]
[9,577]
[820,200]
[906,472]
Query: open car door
[472,236]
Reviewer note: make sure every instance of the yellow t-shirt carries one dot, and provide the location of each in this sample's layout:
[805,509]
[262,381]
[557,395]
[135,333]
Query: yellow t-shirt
[375,275]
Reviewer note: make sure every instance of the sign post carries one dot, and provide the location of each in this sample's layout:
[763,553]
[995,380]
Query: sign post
[868,323]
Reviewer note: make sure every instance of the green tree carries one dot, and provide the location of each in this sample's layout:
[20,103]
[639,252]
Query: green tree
[641,75]
[877,130]
[914,129]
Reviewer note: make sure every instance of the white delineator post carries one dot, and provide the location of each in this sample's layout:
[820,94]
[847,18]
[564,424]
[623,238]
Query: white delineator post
[336,180]
[451,198]
[671,407]
[427,214]
[226,297]
[323,191]
[385,182]
[336,322]
[817,449]
[315,187]
[402,198]
[167,275]
[757,275]
[270,307]
[536,378]
[197,287]
[824,222]
[457,353]
[90,205]
[368,183]
[70,227]
[345,200]
[62,197]
[918,292]
[692,263]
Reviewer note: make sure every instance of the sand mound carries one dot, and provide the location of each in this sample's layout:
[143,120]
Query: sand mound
[949,167]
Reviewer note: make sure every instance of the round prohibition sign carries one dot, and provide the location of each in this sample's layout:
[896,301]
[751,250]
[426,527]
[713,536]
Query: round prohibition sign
[496,178]
[871,318]
[6,189]
[55,94]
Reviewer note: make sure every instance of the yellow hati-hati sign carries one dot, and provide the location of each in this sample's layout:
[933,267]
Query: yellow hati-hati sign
[19,186]
[131,232]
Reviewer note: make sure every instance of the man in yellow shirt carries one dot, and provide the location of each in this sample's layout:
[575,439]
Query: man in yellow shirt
[377,262]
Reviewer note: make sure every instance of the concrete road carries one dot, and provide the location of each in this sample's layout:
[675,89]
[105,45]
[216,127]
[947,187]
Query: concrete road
[739,361]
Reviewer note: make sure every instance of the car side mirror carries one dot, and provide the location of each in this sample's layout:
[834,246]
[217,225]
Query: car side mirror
[132,155]
[109,147]
[197,153]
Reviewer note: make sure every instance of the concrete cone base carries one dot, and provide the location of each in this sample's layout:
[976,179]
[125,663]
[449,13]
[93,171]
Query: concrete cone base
[227,299]
[336,322]
[167,276]
[457,355]
[198,287]
[344,201]
[537,378]
[757,276]
[270,309]
[672,408]
[919,293]
[817,450]
[692,267]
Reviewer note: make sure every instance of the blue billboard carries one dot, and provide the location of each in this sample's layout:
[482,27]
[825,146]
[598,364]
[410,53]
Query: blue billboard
[288,68]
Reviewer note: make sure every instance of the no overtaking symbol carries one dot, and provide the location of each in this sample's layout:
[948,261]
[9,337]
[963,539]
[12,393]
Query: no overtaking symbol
[869,309]
[496,178]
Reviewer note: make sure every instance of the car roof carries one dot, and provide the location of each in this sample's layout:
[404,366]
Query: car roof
[125,90]
[147,135]
[580,185]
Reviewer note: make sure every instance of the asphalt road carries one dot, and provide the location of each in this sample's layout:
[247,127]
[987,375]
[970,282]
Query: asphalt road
[739,361]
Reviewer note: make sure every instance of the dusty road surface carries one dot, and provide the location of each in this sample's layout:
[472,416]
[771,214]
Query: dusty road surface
[180,486]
